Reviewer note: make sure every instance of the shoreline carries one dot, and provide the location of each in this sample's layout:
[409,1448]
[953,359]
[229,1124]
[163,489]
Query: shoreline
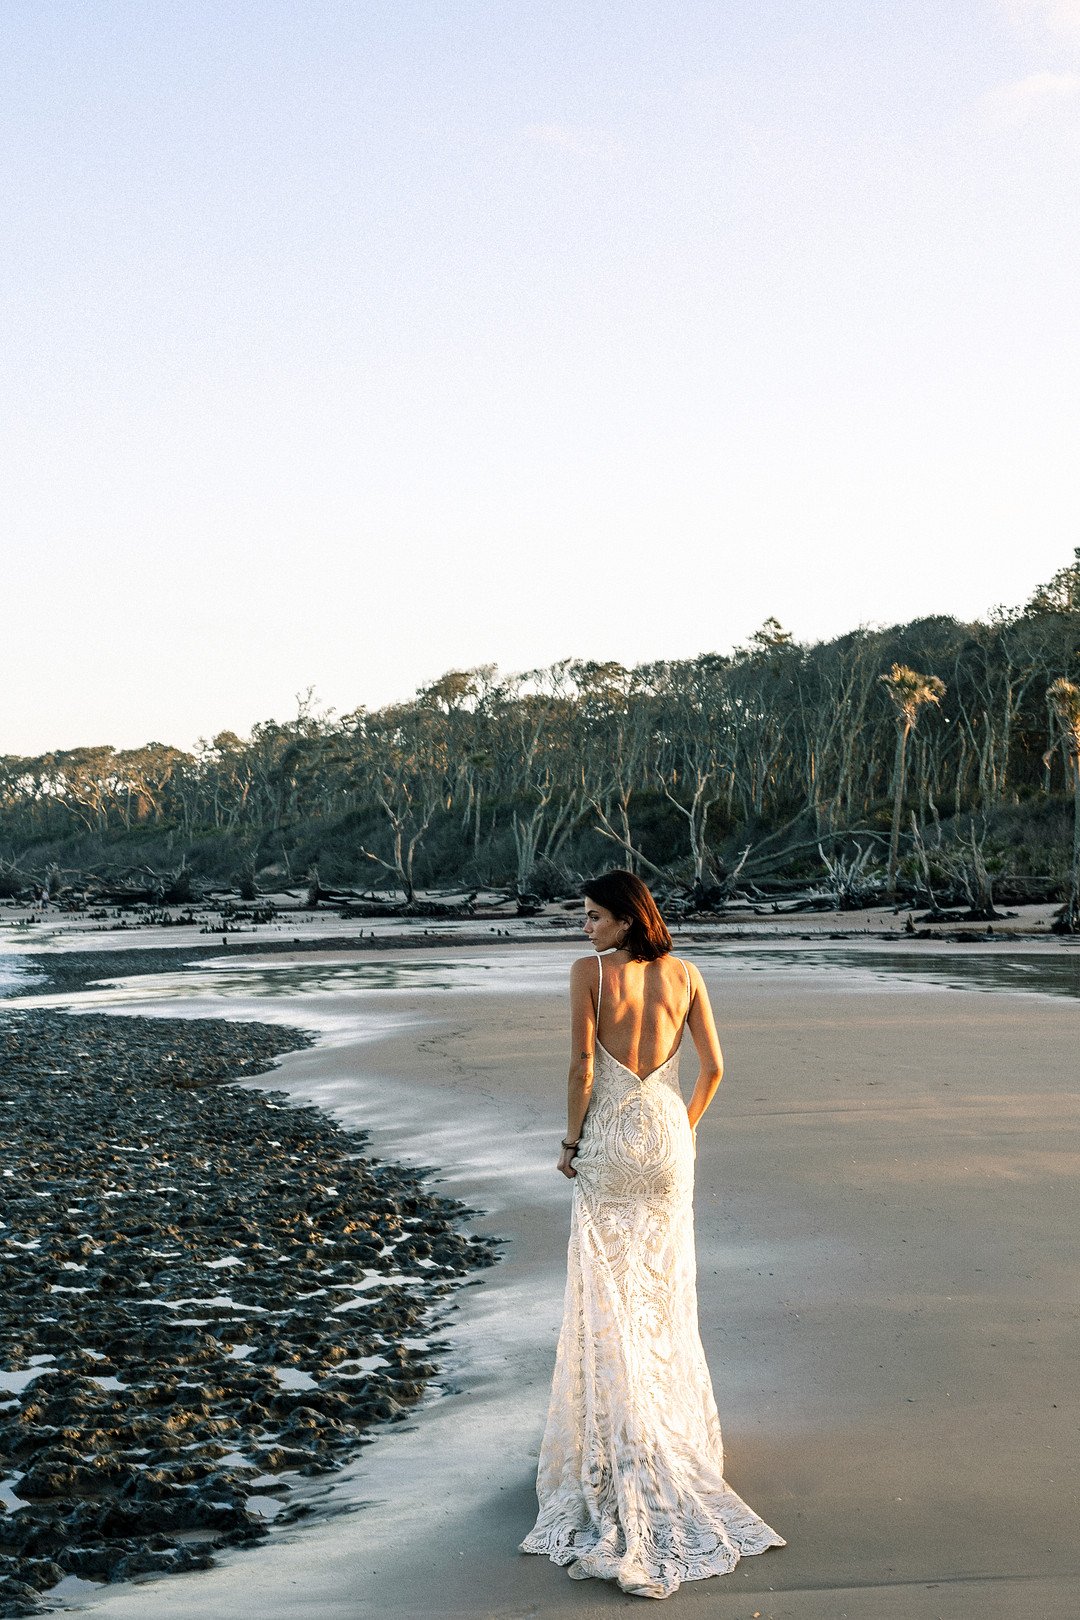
[50,977]
[882,1223]
[293,927]
[884,1188]
[166,1391]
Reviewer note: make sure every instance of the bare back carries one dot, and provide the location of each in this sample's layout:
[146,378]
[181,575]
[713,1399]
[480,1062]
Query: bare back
[643,1008]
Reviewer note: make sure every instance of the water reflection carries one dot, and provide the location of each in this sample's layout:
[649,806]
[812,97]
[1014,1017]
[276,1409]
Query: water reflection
[284,982]
[975,967]
[969,968]
[320,978]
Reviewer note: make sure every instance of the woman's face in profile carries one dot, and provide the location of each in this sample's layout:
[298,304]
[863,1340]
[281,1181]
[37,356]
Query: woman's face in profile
[603,928]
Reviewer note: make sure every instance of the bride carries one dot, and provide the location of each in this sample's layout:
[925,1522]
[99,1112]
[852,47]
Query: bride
[630,1482]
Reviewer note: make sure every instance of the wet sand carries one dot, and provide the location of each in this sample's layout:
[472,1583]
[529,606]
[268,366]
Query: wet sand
[886,1217]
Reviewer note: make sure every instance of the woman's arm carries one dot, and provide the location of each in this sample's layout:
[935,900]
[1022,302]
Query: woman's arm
[702,1027]
[579,1083]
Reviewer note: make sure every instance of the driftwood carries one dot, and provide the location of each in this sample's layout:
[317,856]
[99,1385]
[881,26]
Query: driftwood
[378,906]
[359,910]
[787,907]
[127,896]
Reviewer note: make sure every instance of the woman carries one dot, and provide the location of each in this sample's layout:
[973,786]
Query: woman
[630,1482]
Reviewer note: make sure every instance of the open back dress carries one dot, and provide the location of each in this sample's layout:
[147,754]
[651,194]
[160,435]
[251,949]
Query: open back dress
[630,1482]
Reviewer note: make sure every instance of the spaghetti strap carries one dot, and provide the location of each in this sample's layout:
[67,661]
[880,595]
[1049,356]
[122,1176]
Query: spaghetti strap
[599,989]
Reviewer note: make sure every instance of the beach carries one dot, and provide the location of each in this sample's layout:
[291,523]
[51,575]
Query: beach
[888,1284]
[486,481]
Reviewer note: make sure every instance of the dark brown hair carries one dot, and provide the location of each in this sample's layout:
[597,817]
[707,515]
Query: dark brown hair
[627,898]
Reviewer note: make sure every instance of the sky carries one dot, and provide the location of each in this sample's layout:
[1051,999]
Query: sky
[350,342]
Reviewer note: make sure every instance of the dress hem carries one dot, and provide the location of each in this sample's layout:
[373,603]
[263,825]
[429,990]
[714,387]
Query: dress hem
[636,1581]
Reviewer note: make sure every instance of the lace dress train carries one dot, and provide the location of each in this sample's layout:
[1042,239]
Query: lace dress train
[630,1481]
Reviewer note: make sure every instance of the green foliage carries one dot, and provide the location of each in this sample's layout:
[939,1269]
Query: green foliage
[1061,594]
[700,769]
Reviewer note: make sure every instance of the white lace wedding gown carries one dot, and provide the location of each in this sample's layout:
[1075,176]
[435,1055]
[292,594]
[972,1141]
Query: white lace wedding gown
[630,1482]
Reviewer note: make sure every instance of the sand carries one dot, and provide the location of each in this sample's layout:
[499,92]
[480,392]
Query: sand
[886,1216]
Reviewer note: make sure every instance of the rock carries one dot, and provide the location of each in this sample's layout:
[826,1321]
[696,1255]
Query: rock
[41,1573]
[167,1220]
[17,1598]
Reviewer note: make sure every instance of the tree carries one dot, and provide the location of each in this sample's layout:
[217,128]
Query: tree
[908,692]
[143,776]
[695,750]
[709,771]
[1061,594]
[762,696]
[615,719]
[540,763]
[1064,699]
[402,750]
[85,779]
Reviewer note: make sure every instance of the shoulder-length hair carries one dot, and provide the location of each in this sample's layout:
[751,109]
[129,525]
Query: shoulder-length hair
[626,897]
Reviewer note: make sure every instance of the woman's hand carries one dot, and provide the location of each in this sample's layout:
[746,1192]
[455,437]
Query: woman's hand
[566,1162]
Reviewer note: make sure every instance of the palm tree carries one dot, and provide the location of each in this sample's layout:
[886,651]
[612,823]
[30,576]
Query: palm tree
[908,692]
[1064,700]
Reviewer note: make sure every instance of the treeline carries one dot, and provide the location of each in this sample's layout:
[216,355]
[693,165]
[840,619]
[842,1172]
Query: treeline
[935,756]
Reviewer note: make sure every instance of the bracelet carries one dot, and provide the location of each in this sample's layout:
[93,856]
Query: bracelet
[571,1144]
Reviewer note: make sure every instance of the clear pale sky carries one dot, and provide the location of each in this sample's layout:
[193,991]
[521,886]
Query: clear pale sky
[350,341]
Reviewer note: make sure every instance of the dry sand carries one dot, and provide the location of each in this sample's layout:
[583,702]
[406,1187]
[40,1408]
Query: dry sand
[886,1217]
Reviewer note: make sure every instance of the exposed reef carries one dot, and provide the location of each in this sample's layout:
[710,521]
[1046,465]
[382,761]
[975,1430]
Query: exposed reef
[207,1293]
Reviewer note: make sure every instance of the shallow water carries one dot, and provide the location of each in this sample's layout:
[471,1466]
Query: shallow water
[350,1000]
[12,976]
[322,978]
[969,967]
[979,967]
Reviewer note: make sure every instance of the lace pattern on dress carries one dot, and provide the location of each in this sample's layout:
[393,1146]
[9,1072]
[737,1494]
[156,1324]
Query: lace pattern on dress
[630,1481]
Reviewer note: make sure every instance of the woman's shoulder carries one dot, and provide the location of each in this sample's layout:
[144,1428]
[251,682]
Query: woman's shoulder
[583,966]
[679,968]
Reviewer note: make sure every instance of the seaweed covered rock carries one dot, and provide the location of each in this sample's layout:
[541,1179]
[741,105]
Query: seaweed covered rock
[205,1293]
